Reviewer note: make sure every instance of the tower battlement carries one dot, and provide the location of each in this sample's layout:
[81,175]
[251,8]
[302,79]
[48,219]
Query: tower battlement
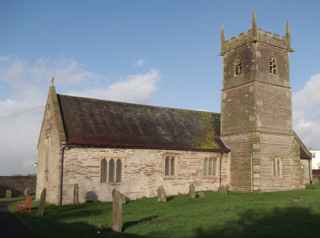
[256,35]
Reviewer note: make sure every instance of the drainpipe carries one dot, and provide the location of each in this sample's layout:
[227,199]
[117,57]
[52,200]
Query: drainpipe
[63,147]
[310,172]
[251,171]
[220,169]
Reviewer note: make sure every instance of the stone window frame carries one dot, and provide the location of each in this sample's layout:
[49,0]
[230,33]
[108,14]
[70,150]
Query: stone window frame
[104,170]
[277,167]
[172,165]
[237,67]
[210,166]
[112,168]
[273,66]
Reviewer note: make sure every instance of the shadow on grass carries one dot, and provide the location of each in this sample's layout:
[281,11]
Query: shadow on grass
[48,228]
[282,222]
[137,222]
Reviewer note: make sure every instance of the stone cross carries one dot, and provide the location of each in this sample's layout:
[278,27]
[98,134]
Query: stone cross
[117,211]
[8,193]
[42,203]
[76,194]
[162,197]
[192,191]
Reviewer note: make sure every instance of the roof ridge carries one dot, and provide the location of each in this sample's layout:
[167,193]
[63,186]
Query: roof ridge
[138,104]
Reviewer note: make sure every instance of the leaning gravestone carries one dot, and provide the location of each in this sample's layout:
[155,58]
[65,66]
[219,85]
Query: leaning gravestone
[117,216]
[26,192]
[8,193]
[76,194]
[192,191]
[42,203]
[162,197]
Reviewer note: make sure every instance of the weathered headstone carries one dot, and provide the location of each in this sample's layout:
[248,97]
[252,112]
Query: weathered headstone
[162,197]
[42,203]
[124,198]
[201,194]
[8,193]
[117,216]
[192,191]
[76,194]
[26,192]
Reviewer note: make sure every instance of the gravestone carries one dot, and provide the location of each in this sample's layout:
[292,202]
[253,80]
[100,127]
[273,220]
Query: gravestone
[125,199]
[76,194]
[201,194]
[8,193]
[117,216]
[26,192]
[192,191]
[162,197]
[42,203]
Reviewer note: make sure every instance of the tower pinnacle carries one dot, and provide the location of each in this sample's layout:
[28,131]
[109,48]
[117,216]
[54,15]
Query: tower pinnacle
[288,36]
[254,26]
[222,38]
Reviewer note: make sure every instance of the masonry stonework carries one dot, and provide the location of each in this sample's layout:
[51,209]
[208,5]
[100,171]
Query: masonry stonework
[142,172]
[252,141]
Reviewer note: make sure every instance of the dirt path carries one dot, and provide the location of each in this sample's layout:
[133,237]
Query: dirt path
[10,226]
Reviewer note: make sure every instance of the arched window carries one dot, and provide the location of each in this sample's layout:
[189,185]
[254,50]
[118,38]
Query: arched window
[276,165]
[166,166]
[169,166]
[237,67]
[210,167]
[172,166]
[205,167]
[118,171]
[111,171]
[103,171]
[272,66]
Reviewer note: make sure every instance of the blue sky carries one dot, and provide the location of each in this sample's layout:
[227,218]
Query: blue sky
[170,46]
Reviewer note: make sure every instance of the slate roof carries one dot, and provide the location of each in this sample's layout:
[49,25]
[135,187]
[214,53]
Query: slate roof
[304,152]
[93,122]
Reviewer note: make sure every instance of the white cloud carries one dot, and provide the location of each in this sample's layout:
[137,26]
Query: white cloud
[135,88]
[306,114]
[27,83]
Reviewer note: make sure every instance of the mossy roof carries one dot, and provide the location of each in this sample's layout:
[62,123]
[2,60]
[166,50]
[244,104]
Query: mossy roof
[94,122]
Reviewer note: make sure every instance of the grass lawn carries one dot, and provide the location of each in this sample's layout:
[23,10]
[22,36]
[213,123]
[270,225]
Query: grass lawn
[283,214]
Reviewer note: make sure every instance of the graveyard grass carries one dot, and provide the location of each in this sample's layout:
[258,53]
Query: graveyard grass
[283,214]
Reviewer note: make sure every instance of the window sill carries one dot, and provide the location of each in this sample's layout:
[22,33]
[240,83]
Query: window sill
[112,184]
[210,176]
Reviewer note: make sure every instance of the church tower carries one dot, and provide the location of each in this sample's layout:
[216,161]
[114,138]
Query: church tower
[256,117]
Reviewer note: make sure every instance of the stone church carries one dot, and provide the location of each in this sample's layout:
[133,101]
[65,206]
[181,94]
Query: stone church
[94,145]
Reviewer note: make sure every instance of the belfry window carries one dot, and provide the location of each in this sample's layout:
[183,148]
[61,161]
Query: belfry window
[272,66]
[276,166]
[237,68]
[169,166]
[210,167]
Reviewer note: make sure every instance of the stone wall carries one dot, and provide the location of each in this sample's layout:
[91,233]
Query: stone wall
[49,151]
[142,172]
[17,184]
